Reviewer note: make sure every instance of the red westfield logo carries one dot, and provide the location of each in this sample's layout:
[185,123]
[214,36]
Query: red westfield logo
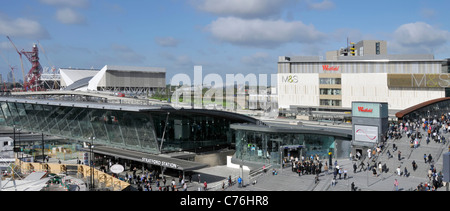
[330,68]
[362,109]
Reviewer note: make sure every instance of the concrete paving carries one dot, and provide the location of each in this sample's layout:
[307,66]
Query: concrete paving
[286,180]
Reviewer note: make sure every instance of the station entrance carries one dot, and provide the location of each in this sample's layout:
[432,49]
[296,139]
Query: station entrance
[292,151]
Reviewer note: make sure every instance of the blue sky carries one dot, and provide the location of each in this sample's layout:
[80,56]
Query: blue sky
[224,36]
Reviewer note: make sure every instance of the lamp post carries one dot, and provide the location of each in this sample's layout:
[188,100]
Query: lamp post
[21,153]
[43,146]
[91,161]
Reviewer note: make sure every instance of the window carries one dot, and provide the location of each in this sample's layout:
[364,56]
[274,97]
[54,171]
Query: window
[330,103]
[330,91]
[377,48]
[330,81]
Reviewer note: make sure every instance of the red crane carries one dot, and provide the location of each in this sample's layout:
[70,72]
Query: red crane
[31,81]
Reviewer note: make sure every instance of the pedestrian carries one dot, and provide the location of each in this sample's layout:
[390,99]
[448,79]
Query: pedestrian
[333,182]
[353,186]
[340,172]
[396,185]
[380,167]
[205,186]
[354,167]
[185,186]
[414,165]
[425,157]
[240,182]
[362,167]
[399,155]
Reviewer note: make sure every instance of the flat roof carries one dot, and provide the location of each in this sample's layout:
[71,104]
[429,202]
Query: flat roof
[81,104]
[369,58]
[134,108]
[158,160]
[135,69]
[276,128]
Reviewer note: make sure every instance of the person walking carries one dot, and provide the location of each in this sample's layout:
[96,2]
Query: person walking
[240,182]
[396,185]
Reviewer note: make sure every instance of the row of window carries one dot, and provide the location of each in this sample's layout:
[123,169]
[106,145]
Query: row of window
[330,92]
[330,102]
[330,81]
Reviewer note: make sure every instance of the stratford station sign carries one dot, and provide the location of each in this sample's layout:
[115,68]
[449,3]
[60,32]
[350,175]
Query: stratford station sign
[160,163]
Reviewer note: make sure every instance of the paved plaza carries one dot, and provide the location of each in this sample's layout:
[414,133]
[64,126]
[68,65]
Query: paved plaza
[364,180]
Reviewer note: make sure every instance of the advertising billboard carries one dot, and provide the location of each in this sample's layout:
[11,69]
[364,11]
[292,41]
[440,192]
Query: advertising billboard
[366,133]
[370,109]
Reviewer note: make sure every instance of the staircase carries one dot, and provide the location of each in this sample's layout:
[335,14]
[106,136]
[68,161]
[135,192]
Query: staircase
[408,155]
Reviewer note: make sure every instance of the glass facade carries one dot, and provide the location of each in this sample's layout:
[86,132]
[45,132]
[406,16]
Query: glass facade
[262,146]
[430,112]
[140,131]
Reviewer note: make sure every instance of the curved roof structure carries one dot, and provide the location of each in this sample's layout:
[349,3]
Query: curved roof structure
[411,109]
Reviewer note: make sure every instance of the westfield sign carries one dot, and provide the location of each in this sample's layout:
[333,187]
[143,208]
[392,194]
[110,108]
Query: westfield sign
[366,110]
[330,68]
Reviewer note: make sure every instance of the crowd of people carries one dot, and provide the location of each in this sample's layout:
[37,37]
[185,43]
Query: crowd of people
[434,130]
[151,180]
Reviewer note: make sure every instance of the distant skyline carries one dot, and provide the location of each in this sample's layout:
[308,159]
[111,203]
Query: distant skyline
[223,36]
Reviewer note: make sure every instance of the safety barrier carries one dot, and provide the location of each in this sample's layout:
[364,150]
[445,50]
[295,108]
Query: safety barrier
[83,172]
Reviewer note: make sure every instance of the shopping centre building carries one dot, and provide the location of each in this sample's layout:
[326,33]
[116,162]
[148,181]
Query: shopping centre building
[361,72]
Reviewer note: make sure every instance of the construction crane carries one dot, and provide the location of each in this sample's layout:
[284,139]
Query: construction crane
[12,70]
[21,62]
[32,81]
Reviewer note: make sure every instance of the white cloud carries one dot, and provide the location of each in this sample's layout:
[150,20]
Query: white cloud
[419,37]
[22,27]
[67,3]
[166,41]
[256,59]
[126,54]
[428,13]
[242,8]
[262,33]
[177,60]
[324,5]
[69,16]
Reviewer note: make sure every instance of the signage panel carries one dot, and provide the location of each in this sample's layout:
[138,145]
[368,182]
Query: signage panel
[368,109]
[366,133]
[330,68]
[160,163]
[419,80]
[117,168]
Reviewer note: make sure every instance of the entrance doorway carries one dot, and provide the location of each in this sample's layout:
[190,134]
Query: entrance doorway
[292,151]
[358,154]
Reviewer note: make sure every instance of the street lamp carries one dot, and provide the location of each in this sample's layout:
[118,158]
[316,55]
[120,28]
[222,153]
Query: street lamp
[91,161]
